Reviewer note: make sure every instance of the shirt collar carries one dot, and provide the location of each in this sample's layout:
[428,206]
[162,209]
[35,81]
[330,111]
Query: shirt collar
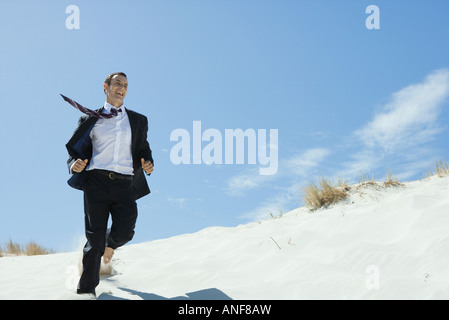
[107,107]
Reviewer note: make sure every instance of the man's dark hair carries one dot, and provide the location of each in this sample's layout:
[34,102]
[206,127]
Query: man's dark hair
[112,75]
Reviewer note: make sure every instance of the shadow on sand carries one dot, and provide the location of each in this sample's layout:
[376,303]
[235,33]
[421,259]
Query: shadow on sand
[206,294]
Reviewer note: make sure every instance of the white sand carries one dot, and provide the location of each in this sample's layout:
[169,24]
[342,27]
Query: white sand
[381,244]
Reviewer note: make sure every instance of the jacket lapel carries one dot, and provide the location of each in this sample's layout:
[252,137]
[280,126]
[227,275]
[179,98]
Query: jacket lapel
[80,144]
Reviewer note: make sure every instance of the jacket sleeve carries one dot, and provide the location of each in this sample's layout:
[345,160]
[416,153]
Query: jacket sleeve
[145,150]
[71,160]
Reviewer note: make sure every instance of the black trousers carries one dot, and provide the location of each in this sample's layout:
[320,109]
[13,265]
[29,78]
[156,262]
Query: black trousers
[104,196]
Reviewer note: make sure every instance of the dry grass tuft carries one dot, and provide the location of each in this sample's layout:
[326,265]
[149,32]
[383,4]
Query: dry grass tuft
[13,248]
[441,169]
[33,249]
[366,180]
[325,194]
[392,181]
[30,249]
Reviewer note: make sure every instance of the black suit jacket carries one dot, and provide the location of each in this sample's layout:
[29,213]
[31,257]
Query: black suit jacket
[80,147]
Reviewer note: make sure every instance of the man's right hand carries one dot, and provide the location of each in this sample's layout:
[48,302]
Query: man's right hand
[79,165]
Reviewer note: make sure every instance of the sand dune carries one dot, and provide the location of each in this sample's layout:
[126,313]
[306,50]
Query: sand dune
[380,244]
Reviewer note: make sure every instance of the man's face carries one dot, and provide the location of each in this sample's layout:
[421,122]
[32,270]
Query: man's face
[116,91]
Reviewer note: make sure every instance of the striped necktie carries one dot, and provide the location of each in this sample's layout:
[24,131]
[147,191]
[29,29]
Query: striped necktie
[90,112]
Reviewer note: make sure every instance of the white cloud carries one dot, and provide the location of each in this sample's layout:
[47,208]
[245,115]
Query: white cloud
[179,202]
[411,115]
[301,164]
[237,185]
[398,133]
[298,165]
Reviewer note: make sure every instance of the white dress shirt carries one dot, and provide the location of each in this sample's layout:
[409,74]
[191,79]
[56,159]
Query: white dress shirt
[111,143]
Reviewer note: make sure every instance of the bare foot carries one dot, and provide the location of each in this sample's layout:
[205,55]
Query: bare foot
[107,256]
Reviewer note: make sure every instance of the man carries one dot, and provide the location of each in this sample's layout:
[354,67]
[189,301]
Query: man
[107,158]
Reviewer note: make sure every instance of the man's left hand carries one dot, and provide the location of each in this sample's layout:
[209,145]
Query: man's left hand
[147,165]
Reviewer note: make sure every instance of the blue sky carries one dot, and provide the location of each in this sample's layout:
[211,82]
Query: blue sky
[345,101]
